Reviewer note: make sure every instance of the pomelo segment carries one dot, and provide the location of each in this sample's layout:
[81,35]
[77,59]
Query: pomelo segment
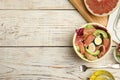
[101,7]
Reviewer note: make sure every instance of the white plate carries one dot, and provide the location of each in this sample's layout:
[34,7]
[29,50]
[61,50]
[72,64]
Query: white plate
[114,25]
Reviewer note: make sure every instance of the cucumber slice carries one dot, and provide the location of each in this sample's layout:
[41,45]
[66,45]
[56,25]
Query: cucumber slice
[98,40]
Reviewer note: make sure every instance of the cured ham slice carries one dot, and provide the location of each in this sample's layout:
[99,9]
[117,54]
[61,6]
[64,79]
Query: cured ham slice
[103,50]
[106,43]
[81,46]
[89,39]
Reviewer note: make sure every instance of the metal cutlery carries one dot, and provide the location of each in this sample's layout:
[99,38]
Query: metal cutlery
[83,68]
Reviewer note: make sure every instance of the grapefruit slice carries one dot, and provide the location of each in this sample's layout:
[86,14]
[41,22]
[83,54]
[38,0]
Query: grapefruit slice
[101,7]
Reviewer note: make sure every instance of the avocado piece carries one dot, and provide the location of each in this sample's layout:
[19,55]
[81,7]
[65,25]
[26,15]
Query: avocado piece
[93,53]
[98,32]
[89,26]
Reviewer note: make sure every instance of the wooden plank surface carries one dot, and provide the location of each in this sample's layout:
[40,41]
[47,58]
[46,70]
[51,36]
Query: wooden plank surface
[45,63]
[38,28]
[48,25]
[80,6]
[35,4]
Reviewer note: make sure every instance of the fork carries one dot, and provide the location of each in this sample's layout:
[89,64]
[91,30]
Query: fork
[83,68]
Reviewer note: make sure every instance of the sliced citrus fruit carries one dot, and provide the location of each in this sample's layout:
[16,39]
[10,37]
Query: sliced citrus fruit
[101,7]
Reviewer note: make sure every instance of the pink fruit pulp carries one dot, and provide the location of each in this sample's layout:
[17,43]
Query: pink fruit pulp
[101,7]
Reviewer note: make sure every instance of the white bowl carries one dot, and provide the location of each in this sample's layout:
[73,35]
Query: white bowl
[80,55]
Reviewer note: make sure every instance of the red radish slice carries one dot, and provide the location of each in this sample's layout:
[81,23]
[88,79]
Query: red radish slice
[101,7]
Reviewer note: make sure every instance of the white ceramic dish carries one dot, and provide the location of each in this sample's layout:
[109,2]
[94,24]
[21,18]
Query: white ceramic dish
[114,25]
[79,54]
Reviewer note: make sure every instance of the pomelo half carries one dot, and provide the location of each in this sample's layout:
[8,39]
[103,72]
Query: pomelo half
[101,7]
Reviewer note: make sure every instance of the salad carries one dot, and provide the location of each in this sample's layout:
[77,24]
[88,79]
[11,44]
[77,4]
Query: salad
[92,41]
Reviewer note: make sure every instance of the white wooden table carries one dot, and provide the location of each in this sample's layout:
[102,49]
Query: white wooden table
[36,41]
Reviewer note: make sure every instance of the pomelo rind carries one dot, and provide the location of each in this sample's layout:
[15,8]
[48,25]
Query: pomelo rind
[105,14]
